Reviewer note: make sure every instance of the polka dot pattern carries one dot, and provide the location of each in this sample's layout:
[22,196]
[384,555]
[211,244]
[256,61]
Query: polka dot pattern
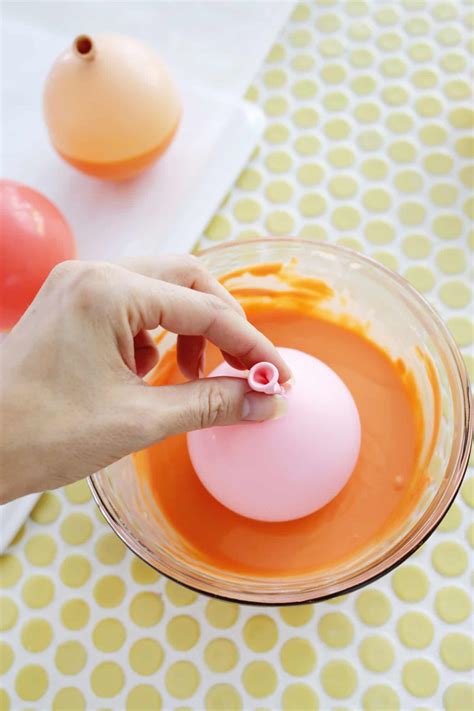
[107,680]
[142,697]
[260,633]
[146,609]
[336,630]
[108,635]
[221,655]
[368,143]
[415,630]
[298,656]
[376,653]
[182,632]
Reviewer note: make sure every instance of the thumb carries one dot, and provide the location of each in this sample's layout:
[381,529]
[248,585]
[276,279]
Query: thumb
[209,402]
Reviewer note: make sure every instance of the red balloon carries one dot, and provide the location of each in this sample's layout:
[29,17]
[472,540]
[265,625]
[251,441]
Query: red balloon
[34,237]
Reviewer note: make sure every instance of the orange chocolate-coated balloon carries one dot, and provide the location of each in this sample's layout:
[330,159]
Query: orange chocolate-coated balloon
[111,106]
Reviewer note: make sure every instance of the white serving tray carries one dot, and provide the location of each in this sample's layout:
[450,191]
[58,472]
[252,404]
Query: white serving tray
[12,516]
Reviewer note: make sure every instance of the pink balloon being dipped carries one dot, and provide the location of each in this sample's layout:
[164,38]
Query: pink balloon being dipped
[280,470]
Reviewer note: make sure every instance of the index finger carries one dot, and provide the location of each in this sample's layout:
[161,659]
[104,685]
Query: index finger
[153,303]
[184,270]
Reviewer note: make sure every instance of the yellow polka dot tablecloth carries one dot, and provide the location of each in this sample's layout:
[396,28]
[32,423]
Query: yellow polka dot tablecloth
[369,143]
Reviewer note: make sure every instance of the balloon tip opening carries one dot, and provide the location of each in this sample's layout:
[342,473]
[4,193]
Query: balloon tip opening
[263,378]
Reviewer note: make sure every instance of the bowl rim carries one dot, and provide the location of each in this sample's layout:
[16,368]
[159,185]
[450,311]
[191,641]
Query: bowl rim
[461,376]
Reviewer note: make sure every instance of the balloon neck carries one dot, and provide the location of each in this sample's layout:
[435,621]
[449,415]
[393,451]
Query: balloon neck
[84,47]
[263,378]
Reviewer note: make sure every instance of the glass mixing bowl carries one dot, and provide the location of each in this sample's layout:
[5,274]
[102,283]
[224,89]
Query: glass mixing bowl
[405,325]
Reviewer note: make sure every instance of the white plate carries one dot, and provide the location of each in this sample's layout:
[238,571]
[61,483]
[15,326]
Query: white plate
[165,209]
[12,516]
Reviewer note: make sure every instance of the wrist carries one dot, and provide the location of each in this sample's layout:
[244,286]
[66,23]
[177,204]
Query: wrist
[17,459]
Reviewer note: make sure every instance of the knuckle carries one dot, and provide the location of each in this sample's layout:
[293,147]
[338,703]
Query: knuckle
[191,266]
[216,304]
[92,285]
[192,261]
[62,271]
[214,406]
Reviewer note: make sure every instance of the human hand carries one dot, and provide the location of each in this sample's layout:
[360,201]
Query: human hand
[73,398]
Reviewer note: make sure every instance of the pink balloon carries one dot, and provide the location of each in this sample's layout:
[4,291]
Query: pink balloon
[280,470]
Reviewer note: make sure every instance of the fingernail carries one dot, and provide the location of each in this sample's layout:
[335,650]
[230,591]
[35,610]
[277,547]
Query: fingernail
[202,365]
[258,407]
